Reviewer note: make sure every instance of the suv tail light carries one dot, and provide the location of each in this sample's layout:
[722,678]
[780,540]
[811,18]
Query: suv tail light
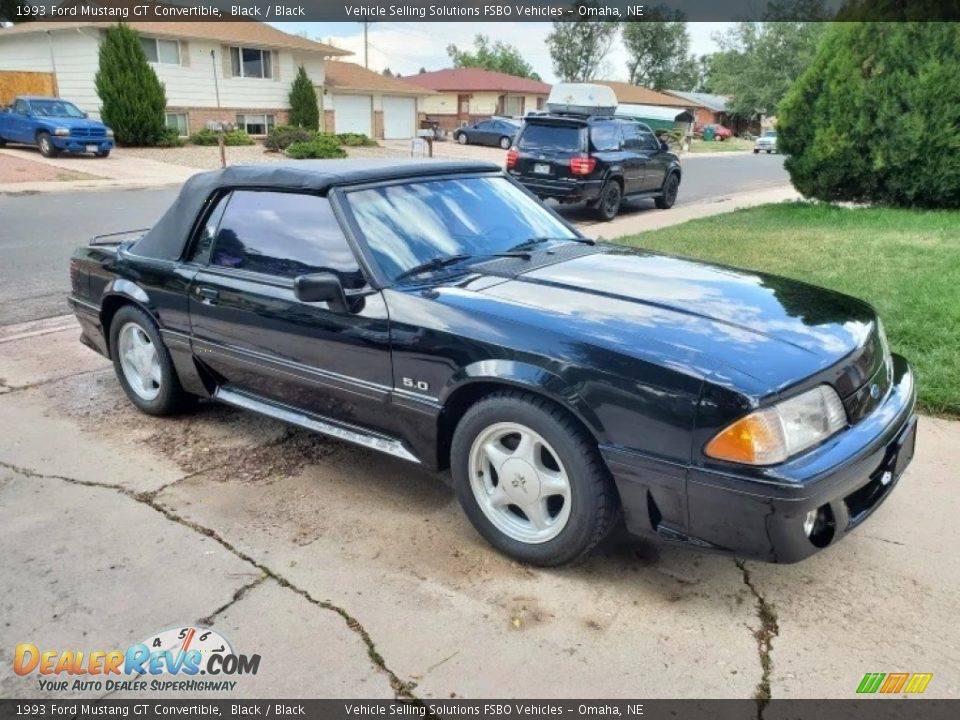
[582,164]
[512,156]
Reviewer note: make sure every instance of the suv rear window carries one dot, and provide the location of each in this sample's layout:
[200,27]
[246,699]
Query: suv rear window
[550,137]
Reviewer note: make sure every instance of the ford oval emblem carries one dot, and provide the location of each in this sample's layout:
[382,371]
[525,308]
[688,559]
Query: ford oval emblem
[875,391]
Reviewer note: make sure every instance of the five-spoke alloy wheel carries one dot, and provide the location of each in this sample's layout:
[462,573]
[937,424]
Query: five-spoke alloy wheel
[531,480]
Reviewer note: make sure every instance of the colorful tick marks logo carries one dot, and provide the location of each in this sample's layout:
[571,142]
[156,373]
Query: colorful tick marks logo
[176,651]
[894,683]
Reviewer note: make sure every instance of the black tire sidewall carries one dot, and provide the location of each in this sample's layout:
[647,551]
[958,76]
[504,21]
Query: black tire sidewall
[663,202]
[580,460]
[171,395]
[608,187]
[504,146]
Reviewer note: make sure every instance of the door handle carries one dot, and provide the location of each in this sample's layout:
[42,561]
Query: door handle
[208,295]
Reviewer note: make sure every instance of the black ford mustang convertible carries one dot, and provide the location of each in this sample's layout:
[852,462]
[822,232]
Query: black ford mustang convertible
[438,312]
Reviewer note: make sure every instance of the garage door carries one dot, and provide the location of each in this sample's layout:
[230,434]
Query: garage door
[353,114]
[399,117]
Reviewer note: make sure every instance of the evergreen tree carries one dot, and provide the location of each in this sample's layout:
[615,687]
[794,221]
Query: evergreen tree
[133,99]
[304,108]
[874,117]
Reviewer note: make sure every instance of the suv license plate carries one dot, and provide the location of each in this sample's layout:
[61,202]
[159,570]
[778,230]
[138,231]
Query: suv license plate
[542,168]
[92,148]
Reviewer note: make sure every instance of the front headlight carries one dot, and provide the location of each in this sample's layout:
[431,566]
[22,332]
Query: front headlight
[775,433]
[109,132]
[62,132]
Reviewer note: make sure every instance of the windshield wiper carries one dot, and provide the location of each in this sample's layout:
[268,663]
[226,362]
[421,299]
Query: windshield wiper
[439,263]
[530,242]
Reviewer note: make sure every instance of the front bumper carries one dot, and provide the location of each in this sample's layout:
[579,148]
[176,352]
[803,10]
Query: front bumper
[79,146]
[848,477]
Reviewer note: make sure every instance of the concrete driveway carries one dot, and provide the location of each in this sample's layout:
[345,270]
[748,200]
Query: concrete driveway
[319,555]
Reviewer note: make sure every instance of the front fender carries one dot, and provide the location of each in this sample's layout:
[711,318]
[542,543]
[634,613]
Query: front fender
[529,377]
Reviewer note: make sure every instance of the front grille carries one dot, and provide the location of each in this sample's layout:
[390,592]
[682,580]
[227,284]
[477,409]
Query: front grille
[88,133]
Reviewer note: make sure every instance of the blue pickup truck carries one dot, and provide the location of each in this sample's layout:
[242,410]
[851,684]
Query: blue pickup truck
[55,126]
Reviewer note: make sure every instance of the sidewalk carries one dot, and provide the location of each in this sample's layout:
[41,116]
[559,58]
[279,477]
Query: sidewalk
[114,172]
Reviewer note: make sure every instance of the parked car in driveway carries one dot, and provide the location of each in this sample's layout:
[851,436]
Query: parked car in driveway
[597,159]
[712,131]
[437,312]
[767,142]
[496,132]
[54,125]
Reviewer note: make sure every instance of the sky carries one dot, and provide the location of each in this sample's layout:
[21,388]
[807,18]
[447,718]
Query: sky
[405,47]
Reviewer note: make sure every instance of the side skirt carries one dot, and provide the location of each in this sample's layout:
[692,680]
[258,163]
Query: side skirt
[325,426]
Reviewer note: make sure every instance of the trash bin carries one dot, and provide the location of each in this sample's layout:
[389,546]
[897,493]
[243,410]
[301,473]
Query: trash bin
[709,133]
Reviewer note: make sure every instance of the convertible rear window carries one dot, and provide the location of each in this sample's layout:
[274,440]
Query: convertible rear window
[410,224]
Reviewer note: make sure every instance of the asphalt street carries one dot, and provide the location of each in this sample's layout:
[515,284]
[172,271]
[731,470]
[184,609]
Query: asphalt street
[39,232]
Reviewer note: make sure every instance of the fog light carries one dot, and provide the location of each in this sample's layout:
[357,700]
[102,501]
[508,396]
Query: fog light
[808,522]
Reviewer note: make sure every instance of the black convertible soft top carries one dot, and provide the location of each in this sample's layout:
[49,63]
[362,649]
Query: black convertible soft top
[166,239]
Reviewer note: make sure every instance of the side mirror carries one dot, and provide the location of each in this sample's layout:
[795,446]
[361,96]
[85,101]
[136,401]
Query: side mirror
[86,115]
[664,146]
[321,287]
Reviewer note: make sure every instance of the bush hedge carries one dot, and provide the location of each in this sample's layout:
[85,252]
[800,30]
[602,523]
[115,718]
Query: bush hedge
[874,118]
[355,140]
[283,136]
[231,138]
[322,146]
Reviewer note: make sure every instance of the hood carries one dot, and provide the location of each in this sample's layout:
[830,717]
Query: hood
[775,330]
[69,122]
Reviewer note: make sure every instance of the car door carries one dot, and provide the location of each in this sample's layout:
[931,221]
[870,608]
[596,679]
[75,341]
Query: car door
[483,133]
[257,337]
[634,158]
[21,123]
[655,169]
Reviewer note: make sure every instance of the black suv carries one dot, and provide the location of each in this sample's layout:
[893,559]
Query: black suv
[600,160]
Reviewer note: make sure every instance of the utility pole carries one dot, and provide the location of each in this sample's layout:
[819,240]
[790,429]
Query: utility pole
[366,47]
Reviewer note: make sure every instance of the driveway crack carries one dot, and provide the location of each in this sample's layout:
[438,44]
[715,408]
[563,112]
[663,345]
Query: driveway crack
[401,688]
[769,629]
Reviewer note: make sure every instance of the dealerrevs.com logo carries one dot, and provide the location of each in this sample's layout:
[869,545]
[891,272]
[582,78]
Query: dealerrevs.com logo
[169,660]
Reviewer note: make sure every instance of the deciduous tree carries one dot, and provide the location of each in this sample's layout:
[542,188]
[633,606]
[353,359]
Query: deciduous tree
[488,55]
[579,48]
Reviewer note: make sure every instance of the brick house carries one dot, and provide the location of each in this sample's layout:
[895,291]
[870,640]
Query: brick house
[463,96]
[714,109]
[250,64]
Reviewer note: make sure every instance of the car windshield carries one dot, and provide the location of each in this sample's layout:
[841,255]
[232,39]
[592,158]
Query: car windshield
[770,134]
[550,137]
[415,223]
[55,108]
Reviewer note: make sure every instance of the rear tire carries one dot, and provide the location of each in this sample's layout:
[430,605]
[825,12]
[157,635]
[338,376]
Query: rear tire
[553,500]
[668,197]
[505,143]
[608,204]
[756,152]
[47,148]
[462,138]
[143,364]
[3,143]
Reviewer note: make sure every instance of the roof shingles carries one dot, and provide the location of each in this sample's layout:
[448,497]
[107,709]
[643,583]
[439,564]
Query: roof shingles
[477,80]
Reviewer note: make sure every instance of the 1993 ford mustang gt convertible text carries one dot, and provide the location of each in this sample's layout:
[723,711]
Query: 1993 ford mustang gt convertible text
[438,312]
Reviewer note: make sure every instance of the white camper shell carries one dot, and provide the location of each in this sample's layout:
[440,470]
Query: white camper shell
[582,99]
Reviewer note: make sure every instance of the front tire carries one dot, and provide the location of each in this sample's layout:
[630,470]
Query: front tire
[611,197]
[104,154]
[531,480]
[669,195]
[47,148]
[143,364]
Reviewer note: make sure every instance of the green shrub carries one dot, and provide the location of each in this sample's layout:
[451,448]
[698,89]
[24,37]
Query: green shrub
[133,99]
[232,138]
[171,138]
[322,146]
[874,118]
[355,140]
[283,136]
[304,108]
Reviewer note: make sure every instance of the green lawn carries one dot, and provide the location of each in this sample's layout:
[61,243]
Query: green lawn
[714,146]
[905,263]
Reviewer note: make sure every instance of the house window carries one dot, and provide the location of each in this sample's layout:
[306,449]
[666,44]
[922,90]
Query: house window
[178,122]
[166,52]
[250,62]
[256,124]
[513,106]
